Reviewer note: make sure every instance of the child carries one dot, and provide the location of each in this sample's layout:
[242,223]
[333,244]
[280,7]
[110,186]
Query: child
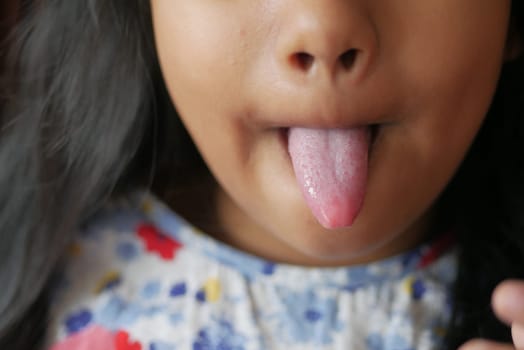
[345,174]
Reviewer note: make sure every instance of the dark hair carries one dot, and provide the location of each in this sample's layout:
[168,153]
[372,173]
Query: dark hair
[85,115]
[484,204]
[81,102]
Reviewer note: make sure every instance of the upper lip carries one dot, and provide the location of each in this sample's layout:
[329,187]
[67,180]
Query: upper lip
[320,121]
[322,113]
[326,106]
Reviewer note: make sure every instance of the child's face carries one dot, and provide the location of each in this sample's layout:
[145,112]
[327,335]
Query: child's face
[241,72]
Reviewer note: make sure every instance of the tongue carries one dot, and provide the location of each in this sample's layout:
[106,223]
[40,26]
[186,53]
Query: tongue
[331,169]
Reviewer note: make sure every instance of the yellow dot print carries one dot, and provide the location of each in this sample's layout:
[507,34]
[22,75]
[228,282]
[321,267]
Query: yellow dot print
[147,206]
[107,281]
[212,289]
[75,250]
[408,285]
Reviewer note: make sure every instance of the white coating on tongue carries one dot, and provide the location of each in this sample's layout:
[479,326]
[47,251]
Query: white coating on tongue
[331,169]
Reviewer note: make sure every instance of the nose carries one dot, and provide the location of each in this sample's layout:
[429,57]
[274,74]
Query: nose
[332,37]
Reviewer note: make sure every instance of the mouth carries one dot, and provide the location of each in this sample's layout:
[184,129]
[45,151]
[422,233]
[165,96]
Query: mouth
[374,132]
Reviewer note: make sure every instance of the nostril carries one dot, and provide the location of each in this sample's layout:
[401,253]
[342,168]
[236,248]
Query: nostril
[302,60]
[347,59]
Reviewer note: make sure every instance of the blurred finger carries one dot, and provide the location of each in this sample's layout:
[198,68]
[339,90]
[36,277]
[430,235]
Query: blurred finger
[517,332]
[508,301]
[479,344]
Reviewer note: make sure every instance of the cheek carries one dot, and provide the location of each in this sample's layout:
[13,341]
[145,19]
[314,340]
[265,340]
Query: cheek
[449,52]
[205,58]
[204,47]
[452,75]
[448,87]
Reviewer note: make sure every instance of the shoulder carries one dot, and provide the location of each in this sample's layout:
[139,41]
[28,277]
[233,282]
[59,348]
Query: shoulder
[116,261]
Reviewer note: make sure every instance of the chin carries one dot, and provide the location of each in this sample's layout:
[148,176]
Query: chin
[333,247]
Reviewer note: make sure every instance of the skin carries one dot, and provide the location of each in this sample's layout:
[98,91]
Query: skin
[239,72]
[424,71]
[508,304]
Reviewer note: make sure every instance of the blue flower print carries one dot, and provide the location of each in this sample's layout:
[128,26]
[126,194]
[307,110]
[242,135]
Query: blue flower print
[357,278]
[151,290]
[376,341]
[118,313]
[127,251]
[411,258]
[178,290]
[176,318]
[219,336]
[419,289]
[306,318]
[200,296]
[269,268]
[161,346]
[78,321]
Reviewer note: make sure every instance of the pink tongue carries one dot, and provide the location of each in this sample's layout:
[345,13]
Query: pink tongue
[331,170]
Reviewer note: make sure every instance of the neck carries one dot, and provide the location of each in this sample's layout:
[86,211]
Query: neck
[240,231]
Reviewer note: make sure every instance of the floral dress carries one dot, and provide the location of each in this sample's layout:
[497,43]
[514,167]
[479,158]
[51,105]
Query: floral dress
[139,277]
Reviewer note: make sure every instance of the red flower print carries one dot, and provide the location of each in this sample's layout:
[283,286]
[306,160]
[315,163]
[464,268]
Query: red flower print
[438,247]
[157,242]
[122,342]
